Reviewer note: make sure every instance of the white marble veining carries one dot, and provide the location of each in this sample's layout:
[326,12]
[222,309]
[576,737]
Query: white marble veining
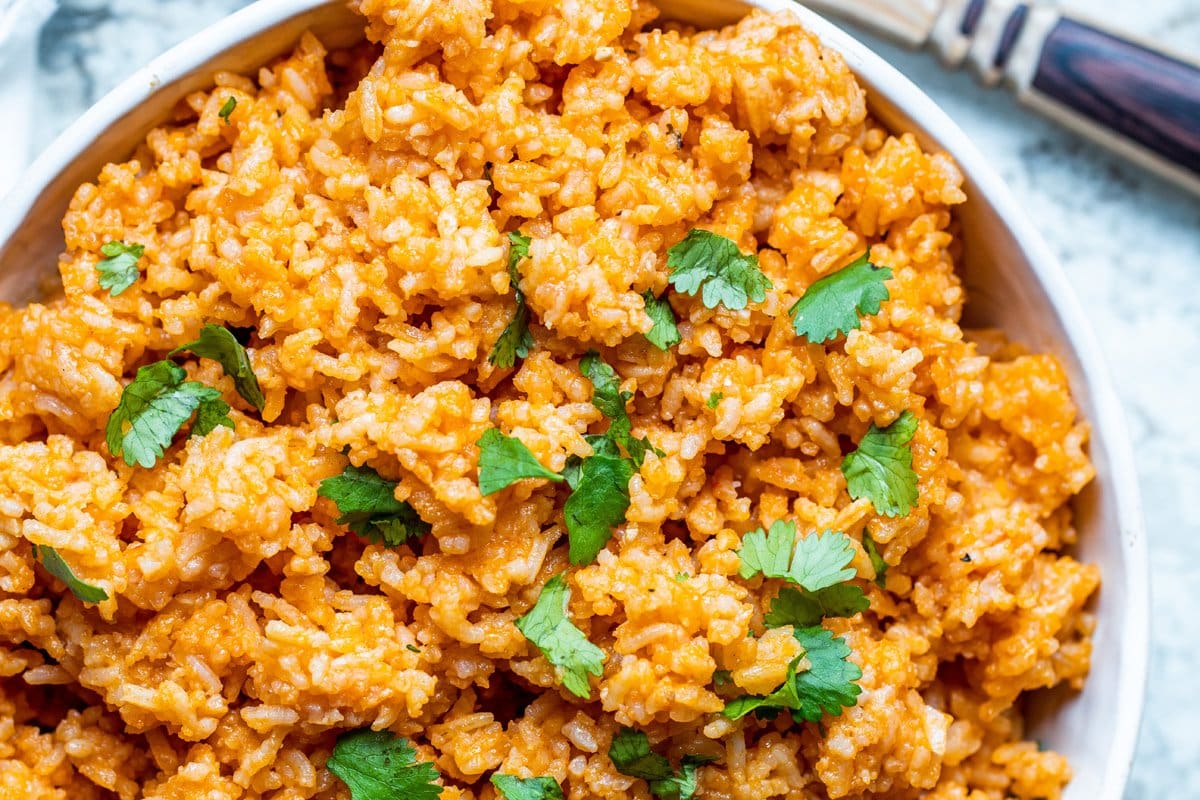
[1130,245]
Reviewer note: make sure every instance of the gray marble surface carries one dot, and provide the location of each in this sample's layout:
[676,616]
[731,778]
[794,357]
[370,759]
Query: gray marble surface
[1130,245]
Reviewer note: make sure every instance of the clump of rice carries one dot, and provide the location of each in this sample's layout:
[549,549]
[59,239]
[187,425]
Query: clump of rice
[346,214]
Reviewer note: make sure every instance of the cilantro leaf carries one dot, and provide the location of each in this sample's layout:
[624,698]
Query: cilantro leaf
[606,395]
[218,343]
[819,564]
[834,305]
[368,506]
[610,400]
[630,753]
[56,566]
[827,686]
[119,268]
[212,413]
[550,629]
[881,566]
[504,460]
[819,560]
[804,609]
[597,505]
[681,786]
[227,108]
[785,696]
[709,263]
[714,399]
[378,765]
[152,409]
[515,341]
[518,248]
[540,788]
[664,333]
[881,467]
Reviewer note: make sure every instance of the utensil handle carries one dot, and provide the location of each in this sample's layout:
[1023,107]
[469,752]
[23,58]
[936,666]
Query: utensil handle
[1126,95]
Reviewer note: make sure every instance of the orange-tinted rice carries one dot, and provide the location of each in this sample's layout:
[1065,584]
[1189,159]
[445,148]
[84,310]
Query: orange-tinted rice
[344,214]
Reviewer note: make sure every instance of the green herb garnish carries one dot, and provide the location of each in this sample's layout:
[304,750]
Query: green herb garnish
[835,304]
[152,409]
[881,467]
[819,564]
[713,266]
[630,753]
[378,765]
[826,687]
[217,343]
[664,334]
[597,505]
[877,562]
[119,267]
[56,566]
[610,400]
[504,460]
[368,506]
[550,629]
[543,787]
[227,108]
[515,341]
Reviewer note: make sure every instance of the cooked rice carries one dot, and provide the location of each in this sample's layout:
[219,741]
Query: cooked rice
[345,215]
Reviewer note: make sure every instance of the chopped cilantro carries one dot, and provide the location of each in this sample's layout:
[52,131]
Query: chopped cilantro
[119,267]
[219,344]
[227,108]
[550,629]
[630,753]
[504,460]
[712,265]
[610,400]
[872,550]
[834,305]
[368,506]
[722,677]
[665,331]
[152,409]
[804,609]
[827,686]
[819,565]
[515,341]
[378,765]
[819,560]
[681,577]
[881,467]
[412,648]
[715,399]
[540,788]
[597,505]
[56,566]
[211,414]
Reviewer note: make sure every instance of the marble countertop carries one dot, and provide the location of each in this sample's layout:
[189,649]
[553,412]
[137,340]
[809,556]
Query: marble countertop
[1130,245]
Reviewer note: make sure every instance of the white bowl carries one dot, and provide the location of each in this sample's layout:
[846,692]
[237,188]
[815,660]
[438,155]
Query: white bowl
[1013,283]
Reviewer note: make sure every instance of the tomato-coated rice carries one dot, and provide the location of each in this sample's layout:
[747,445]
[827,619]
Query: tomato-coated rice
[353,211]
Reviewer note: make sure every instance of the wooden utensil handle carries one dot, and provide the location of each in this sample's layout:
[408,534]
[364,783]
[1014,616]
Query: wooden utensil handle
[1147,97]
[1126,95]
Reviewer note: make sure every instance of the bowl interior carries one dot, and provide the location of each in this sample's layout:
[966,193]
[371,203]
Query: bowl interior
[1012,280]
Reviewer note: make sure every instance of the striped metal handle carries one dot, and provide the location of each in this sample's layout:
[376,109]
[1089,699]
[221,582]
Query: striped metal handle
[1126,95]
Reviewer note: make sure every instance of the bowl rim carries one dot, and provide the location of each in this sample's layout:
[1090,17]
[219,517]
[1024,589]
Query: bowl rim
[1107,414]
